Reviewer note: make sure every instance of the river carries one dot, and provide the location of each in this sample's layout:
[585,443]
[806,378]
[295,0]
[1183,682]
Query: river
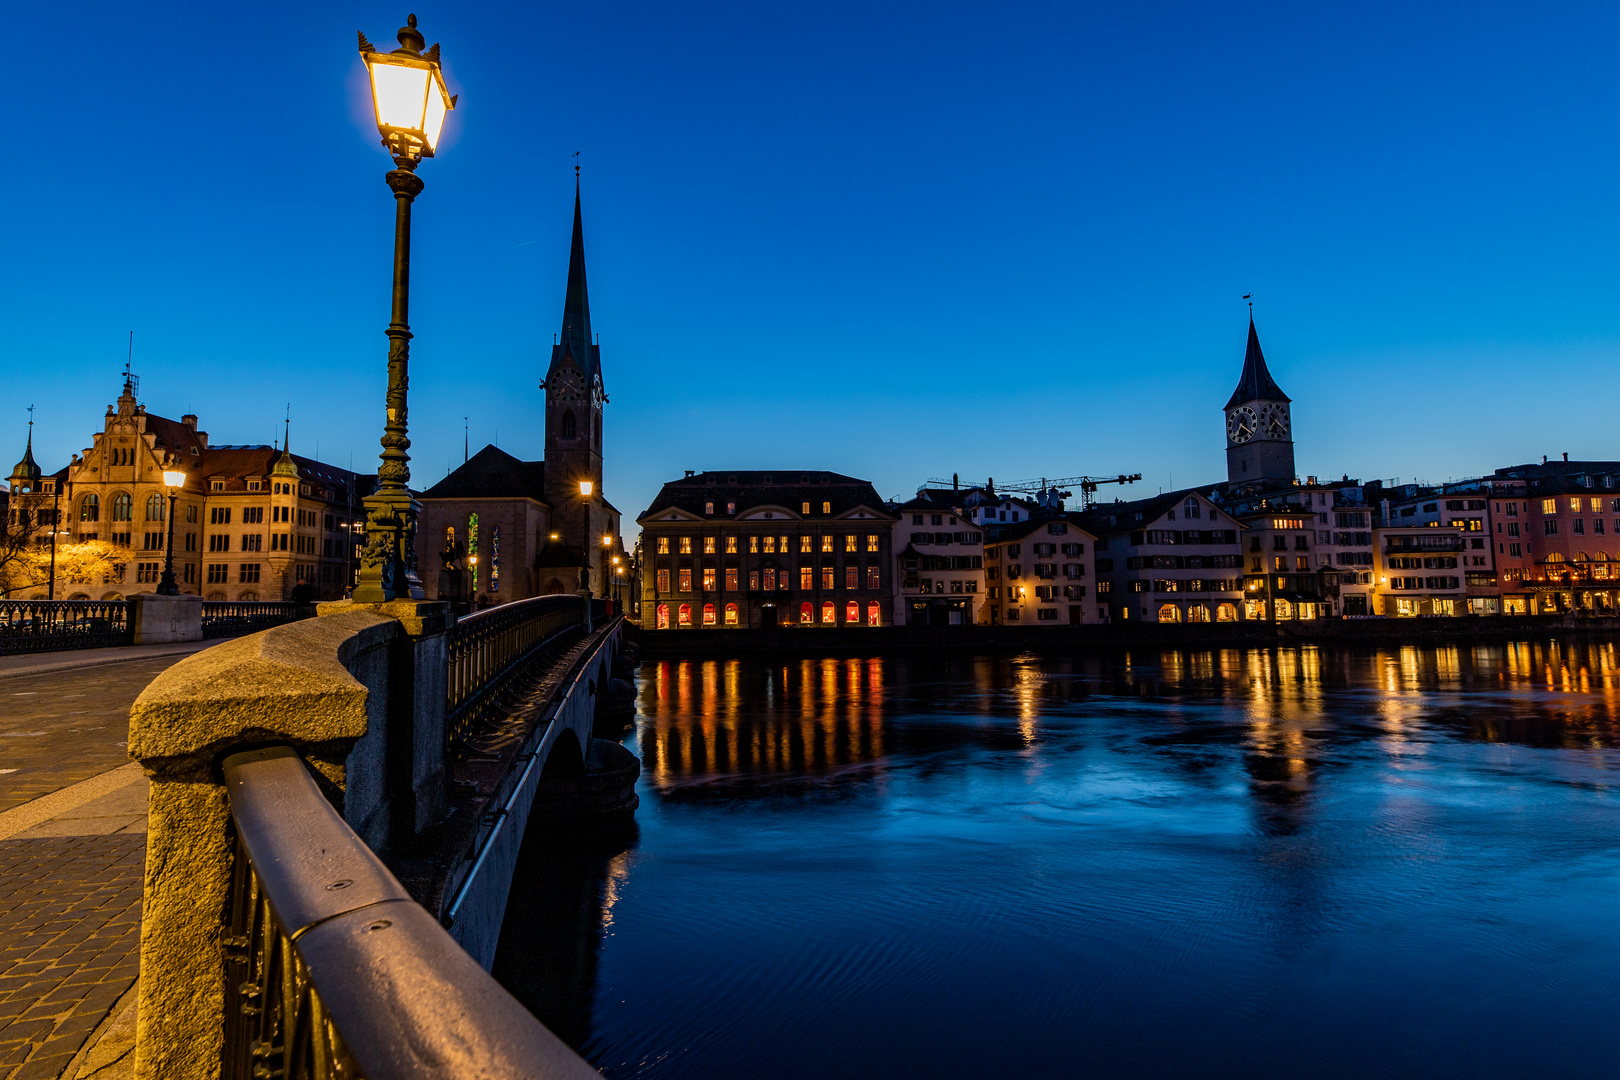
[1296,862]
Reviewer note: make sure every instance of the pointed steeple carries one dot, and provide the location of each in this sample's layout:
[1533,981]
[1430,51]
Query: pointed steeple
[285,465]
[576,338]
[1256,383]
[26,476]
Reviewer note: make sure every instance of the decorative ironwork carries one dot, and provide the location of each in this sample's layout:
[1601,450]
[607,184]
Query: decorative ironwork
[275,1023]
[233,618]
[48,625]
[487,649]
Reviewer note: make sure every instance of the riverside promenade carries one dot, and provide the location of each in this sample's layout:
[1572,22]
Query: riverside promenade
[72,853]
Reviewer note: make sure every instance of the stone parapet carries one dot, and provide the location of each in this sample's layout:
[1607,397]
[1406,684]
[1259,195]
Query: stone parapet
[323,686]
[158,619]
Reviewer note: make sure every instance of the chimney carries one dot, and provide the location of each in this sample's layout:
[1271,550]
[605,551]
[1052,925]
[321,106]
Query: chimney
[190,420]
[689,472]
[1544,459]
[1566,455]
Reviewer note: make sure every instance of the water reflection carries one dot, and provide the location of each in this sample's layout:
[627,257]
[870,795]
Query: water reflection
[1127,863]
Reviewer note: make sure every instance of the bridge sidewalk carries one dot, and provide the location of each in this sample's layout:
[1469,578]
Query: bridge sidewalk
[72,855]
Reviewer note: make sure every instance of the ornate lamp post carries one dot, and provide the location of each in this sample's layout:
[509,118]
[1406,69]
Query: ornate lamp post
[174,480]
[409,95]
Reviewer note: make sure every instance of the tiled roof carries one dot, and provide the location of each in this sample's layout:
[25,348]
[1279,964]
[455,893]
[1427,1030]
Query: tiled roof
[1095,520]
[789,488]
[492,473]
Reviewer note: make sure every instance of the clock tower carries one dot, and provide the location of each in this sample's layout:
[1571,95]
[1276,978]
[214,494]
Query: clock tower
[1259,431]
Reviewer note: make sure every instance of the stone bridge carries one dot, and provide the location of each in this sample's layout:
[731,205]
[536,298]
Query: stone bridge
[336,810]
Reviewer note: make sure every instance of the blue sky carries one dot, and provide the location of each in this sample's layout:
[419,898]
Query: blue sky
[897,241]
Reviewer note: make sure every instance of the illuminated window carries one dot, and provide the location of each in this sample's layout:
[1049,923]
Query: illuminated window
[1302,562]
[806,543]
[708,614]
[663,616]
[826,508]
[782,582]
[1549,506]
[753,545]
[829,613]
[826,543]
[686,580]
[1575,504]
[784,545]
[770,579]
[1226,613]
[708,579]
[731,614]
[708,545]
[852,575]
[1197,612]
[770,545]
[686,545]
[753,580]
[852,612]
[663,581]
[731,508]
[731,579]
[826,577]
[804,508]
[850,542]
[871,541]
[731,545]
[684,616]
[874,614]
[807,613]
[708,508]
[874,578]
[807,578]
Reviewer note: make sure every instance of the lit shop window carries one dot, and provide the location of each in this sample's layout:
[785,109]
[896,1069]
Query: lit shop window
[685,616]
[663,616]
[874,614]
[731,614]
[708,614]
[829,613]
[852,612]
[807,613]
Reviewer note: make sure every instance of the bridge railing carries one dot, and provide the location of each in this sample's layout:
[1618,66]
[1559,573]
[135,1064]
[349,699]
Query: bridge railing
[487,649]
[332,970]
[232,618]
[48,625]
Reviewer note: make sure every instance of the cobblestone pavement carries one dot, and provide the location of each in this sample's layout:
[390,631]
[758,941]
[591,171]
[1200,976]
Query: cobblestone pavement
[70,919]
[60,727]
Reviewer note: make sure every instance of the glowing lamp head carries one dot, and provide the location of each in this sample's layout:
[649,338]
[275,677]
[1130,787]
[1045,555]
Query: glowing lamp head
[174,479]
[408,94]
[554,536]
[607,541]
[586,487]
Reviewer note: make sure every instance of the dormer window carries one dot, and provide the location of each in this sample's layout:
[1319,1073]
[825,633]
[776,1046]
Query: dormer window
[708,508]
[826,508]
[731,508]
[255,485]
[216,485]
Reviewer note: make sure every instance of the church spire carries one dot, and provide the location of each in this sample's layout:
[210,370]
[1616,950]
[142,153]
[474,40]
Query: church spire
[1256,383]
[576,338]
[26,476]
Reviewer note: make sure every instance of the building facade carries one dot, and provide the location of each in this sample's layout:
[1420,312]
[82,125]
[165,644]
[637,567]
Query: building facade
[1177,557]
[1042,572]
[251,522]
[740,550]
[940,569]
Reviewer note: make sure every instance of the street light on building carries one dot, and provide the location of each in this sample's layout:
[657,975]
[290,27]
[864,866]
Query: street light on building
[410,102]
[174,480]
[585,489]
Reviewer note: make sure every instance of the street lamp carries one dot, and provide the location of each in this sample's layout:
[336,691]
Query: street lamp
[585,489]
[174,480]
[410,100]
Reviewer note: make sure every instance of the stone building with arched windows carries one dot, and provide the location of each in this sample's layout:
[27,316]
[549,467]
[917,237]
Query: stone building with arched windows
[251,522]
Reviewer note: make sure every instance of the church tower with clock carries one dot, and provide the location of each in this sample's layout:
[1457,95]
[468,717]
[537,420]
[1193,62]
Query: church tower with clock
[1259,434]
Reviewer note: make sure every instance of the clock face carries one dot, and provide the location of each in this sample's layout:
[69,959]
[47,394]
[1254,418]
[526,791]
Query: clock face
[1274,422]
[1241,424]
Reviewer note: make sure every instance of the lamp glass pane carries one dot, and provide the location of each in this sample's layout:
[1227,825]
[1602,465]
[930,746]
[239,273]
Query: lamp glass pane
[437,106]
[400,94]
[174,478]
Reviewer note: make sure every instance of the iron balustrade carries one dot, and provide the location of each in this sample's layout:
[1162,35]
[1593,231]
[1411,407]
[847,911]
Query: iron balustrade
[233,618]
[332,971]
[48,625]
[485,650]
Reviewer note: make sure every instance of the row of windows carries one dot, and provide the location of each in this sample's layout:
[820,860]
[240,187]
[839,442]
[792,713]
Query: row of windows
[219,573]
[1438,562]
[1015,550]
[1577,527]
[711,614]
[926,538]
[1043,593]
[1424,583]
[770,545]
[1164,585]
[1180,562]
[770,580]
[731,507]
[929,585]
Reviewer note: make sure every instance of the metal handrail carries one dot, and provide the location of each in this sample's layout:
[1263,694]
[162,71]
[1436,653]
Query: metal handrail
[485,650]
[332,970]
[230,618]
[46,625]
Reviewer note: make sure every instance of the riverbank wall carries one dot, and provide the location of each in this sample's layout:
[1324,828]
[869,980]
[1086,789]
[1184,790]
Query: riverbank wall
[684,644]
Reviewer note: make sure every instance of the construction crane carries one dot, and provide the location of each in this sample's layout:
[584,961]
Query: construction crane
[1088,486]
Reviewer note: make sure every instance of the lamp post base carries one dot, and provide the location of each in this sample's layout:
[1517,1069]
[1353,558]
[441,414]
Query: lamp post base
[388,561]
